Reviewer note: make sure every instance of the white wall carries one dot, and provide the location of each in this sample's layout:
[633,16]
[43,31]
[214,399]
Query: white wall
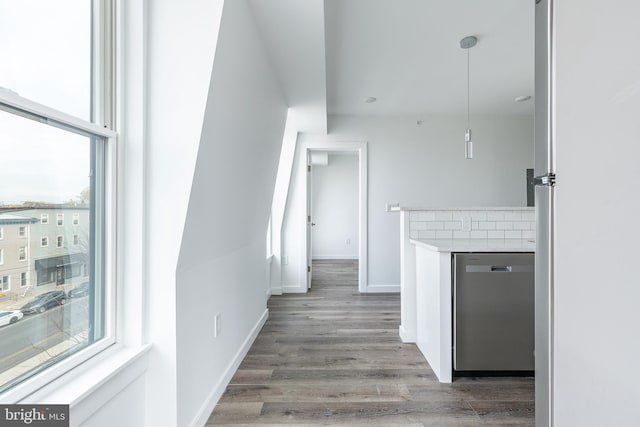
[597,290]
[294,226]
[181,44]
[335,208]
[278,205]
[420,165]
[122,410]
[222,266]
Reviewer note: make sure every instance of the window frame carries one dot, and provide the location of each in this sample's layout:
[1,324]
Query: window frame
[59,241]
[60,220]
[44,218]
[22,231]
[24,275]
[75,219]
[101,125]
[22,254]
[44,241]
[57,118]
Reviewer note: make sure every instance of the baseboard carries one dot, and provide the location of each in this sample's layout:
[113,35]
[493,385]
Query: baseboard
[294,290]
[407,335]
[372,289]
[212,400]
[323,257]
[276,290]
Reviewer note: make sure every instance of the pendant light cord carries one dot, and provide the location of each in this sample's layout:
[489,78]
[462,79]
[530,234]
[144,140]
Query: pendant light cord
[468,93]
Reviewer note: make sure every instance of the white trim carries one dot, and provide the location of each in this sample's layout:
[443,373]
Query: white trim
[107,373]
[36,383]
[276,290]
[17,102]
[20,253]
[26,277]
[361,149]
[329,257]
[407,335]
[293,289]
[373,289]
[216,393]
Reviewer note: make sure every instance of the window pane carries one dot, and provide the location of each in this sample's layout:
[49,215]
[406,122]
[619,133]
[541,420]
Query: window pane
[46,52]
[54,292]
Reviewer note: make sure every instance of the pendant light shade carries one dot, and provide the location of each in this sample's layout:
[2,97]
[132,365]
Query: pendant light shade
[467,43]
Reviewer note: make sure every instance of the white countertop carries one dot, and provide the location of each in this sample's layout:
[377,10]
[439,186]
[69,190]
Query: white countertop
[485,208]
[476,245]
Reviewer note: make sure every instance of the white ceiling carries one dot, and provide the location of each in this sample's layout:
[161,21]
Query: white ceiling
[293,35]
[406,53]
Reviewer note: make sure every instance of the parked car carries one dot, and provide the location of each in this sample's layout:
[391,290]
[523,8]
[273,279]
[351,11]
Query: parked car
[82,290]
[9,317]
[44,301]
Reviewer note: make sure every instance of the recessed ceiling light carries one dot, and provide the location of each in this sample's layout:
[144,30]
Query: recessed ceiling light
[523,98]
[370,100]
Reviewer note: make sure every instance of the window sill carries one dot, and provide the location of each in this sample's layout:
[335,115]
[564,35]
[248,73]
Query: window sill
[93,383]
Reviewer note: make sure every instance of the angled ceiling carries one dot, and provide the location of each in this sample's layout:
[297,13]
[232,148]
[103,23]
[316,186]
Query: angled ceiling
[293,35]
[405,53]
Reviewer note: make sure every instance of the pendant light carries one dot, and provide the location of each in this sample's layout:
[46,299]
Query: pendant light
[467,43]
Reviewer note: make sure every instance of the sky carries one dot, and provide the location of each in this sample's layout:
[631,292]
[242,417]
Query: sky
[45,57]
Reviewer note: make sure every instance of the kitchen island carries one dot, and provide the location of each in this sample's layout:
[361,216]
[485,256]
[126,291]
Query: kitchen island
[437,233]
[433,302]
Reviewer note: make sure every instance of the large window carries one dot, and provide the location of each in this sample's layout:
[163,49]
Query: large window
[57,152]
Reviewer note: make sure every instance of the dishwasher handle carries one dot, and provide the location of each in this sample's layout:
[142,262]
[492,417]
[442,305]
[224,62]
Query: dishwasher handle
[523,268]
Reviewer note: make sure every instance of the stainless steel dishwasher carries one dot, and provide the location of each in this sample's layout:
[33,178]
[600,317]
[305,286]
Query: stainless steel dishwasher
[493,312]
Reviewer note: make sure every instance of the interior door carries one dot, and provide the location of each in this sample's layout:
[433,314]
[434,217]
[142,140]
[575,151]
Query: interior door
[310,224]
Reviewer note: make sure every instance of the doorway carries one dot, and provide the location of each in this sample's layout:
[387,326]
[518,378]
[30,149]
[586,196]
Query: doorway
[337,214]
[334,208]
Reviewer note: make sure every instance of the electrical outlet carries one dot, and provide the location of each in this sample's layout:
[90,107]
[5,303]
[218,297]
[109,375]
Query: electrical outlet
[466,223]
[348,241]
[216,325]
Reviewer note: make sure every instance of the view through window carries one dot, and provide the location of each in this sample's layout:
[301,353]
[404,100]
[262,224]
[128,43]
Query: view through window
[52,186]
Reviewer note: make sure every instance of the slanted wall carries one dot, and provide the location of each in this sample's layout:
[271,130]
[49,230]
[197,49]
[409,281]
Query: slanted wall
[222,263]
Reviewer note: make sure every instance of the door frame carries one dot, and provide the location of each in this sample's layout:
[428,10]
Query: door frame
[361,149]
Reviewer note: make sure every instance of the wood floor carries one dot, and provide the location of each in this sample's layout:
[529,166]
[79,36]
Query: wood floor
[333,357]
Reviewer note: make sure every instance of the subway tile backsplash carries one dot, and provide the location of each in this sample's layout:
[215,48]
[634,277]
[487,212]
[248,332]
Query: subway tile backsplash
[490,223]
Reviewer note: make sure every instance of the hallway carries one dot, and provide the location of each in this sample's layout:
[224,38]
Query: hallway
[333,357]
